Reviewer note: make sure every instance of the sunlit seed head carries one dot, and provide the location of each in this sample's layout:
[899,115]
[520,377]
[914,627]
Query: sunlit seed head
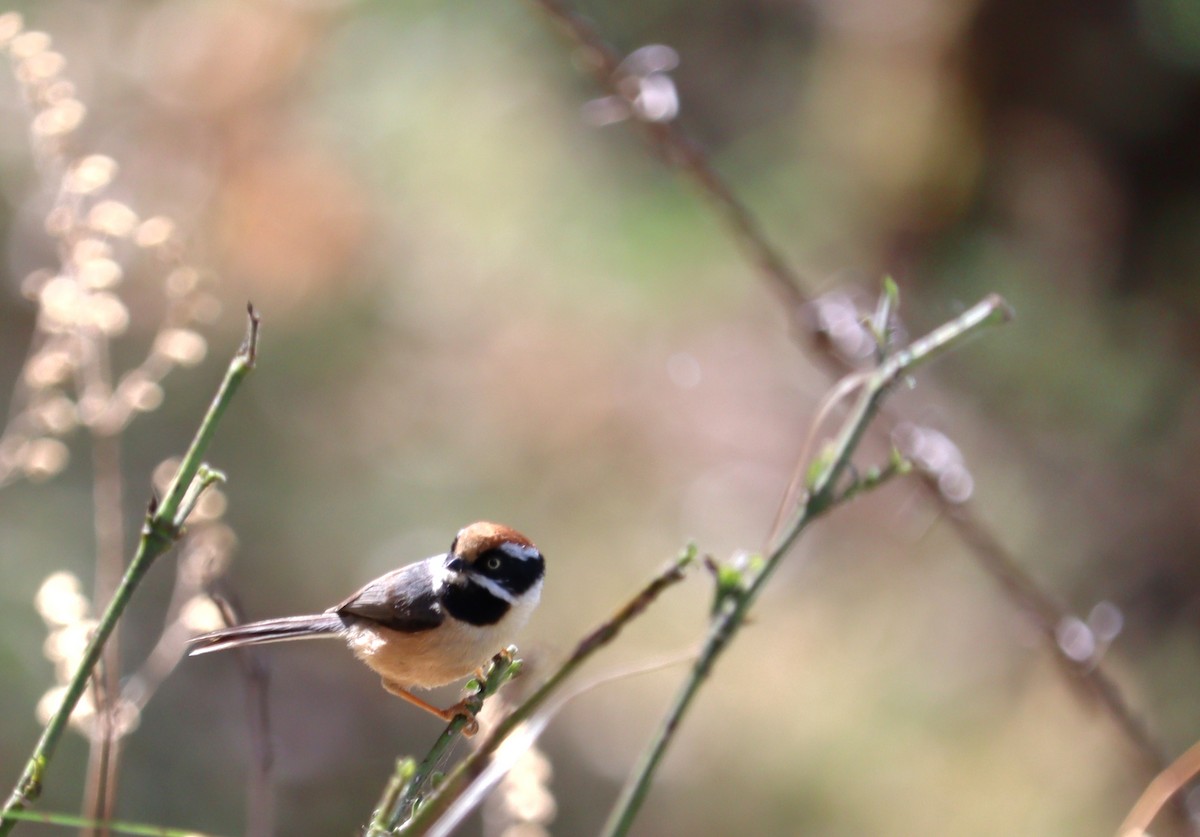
[181,345]
[211,506]
[28,43]
[41,67]
[85,710]
[48,367]
[59,587]
[1106,621]
[956,484]
[67,643]
[92,407]
[530,802]
[839,319]
[113,218]
[57,91]
[56,414]
[140,393]
[59,645]
[43,458]
[107,313]
[90,174]
[524,794]
[100,273]
[647,59]
[31,285]
[88,248]
[605,110]
[1075,639]
[182,281]
[49,703]
[656,100]
[11,25]
[61,299]
[60,118]
[200,614]
[154,232]
[535,766]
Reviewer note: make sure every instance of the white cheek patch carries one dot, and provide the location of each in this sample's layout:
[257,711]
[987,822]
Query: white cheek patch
[519,551]
[492,587]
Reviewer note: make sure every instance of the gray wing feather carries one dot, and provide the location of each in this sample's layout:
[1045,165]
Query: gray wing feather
[403,600]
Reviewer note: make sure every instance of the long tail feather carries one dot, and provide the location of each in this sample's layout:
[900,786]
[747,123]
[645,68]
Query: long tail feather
[269,630]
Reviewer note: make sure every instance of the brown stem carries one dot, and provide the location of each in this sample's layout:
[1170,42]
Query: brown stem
[109,528]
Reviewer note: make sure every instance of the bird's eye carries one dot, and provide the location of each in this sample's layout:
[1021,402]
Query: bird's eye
[492,563]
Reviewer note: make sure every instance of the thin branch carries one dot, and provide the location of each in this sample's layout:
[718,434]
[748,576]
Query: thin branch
[409,781]
[158,534]
[136,829]
[676,148]
[680,151]
[104,753]
[1160,791]
[1047,613]
[471,767]
[525,737]
[735,596]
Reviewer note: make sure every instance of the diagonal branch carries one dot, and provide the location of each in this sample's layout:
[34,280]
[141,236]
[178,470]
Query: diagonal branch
[736,595]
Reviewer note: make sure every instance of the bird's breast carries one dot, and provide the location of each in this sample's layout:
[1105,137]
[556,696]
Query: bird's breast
[433,657]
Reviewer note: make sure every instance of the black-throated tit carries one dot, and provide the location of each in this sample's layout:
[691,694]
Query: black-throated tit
[426,624]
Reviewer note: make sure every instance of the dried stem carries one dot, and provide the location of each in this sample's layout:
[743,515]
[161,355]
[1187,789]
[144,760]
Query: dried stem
[104,750]
[1164,787]
[136,829]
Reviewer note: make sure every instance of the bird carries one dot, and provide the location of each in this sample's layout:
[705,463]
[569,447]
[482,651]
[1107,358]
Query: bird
[426,624]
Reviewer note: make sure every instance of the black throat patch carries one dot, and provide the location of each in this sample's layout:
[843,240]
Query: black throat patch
[474,604]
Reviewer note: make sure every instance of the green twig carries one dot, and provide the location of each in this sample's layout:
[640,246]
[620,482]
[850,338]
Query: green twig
[897,466]
[117,826]
[162,527]
[734,600]
[401,778]
[404,789]
[469,768]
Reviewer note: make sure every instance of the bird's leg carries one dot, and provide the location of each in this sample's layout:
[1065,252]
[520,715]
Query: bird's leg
[446,715]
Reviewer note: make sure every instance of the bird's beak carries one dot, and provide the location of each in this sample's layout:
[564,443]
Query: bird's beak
[456,565]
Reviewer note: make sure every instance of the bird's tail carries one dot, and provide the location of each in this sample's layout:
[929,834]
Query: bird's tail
[268,630]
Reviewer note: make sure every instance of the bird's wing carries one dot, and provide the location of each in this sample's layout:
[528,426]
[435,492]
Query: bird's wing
[403,600]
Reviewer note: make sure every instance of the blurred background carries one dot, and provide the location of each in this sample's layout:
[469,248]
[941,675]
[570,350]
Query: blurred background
[479,304]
